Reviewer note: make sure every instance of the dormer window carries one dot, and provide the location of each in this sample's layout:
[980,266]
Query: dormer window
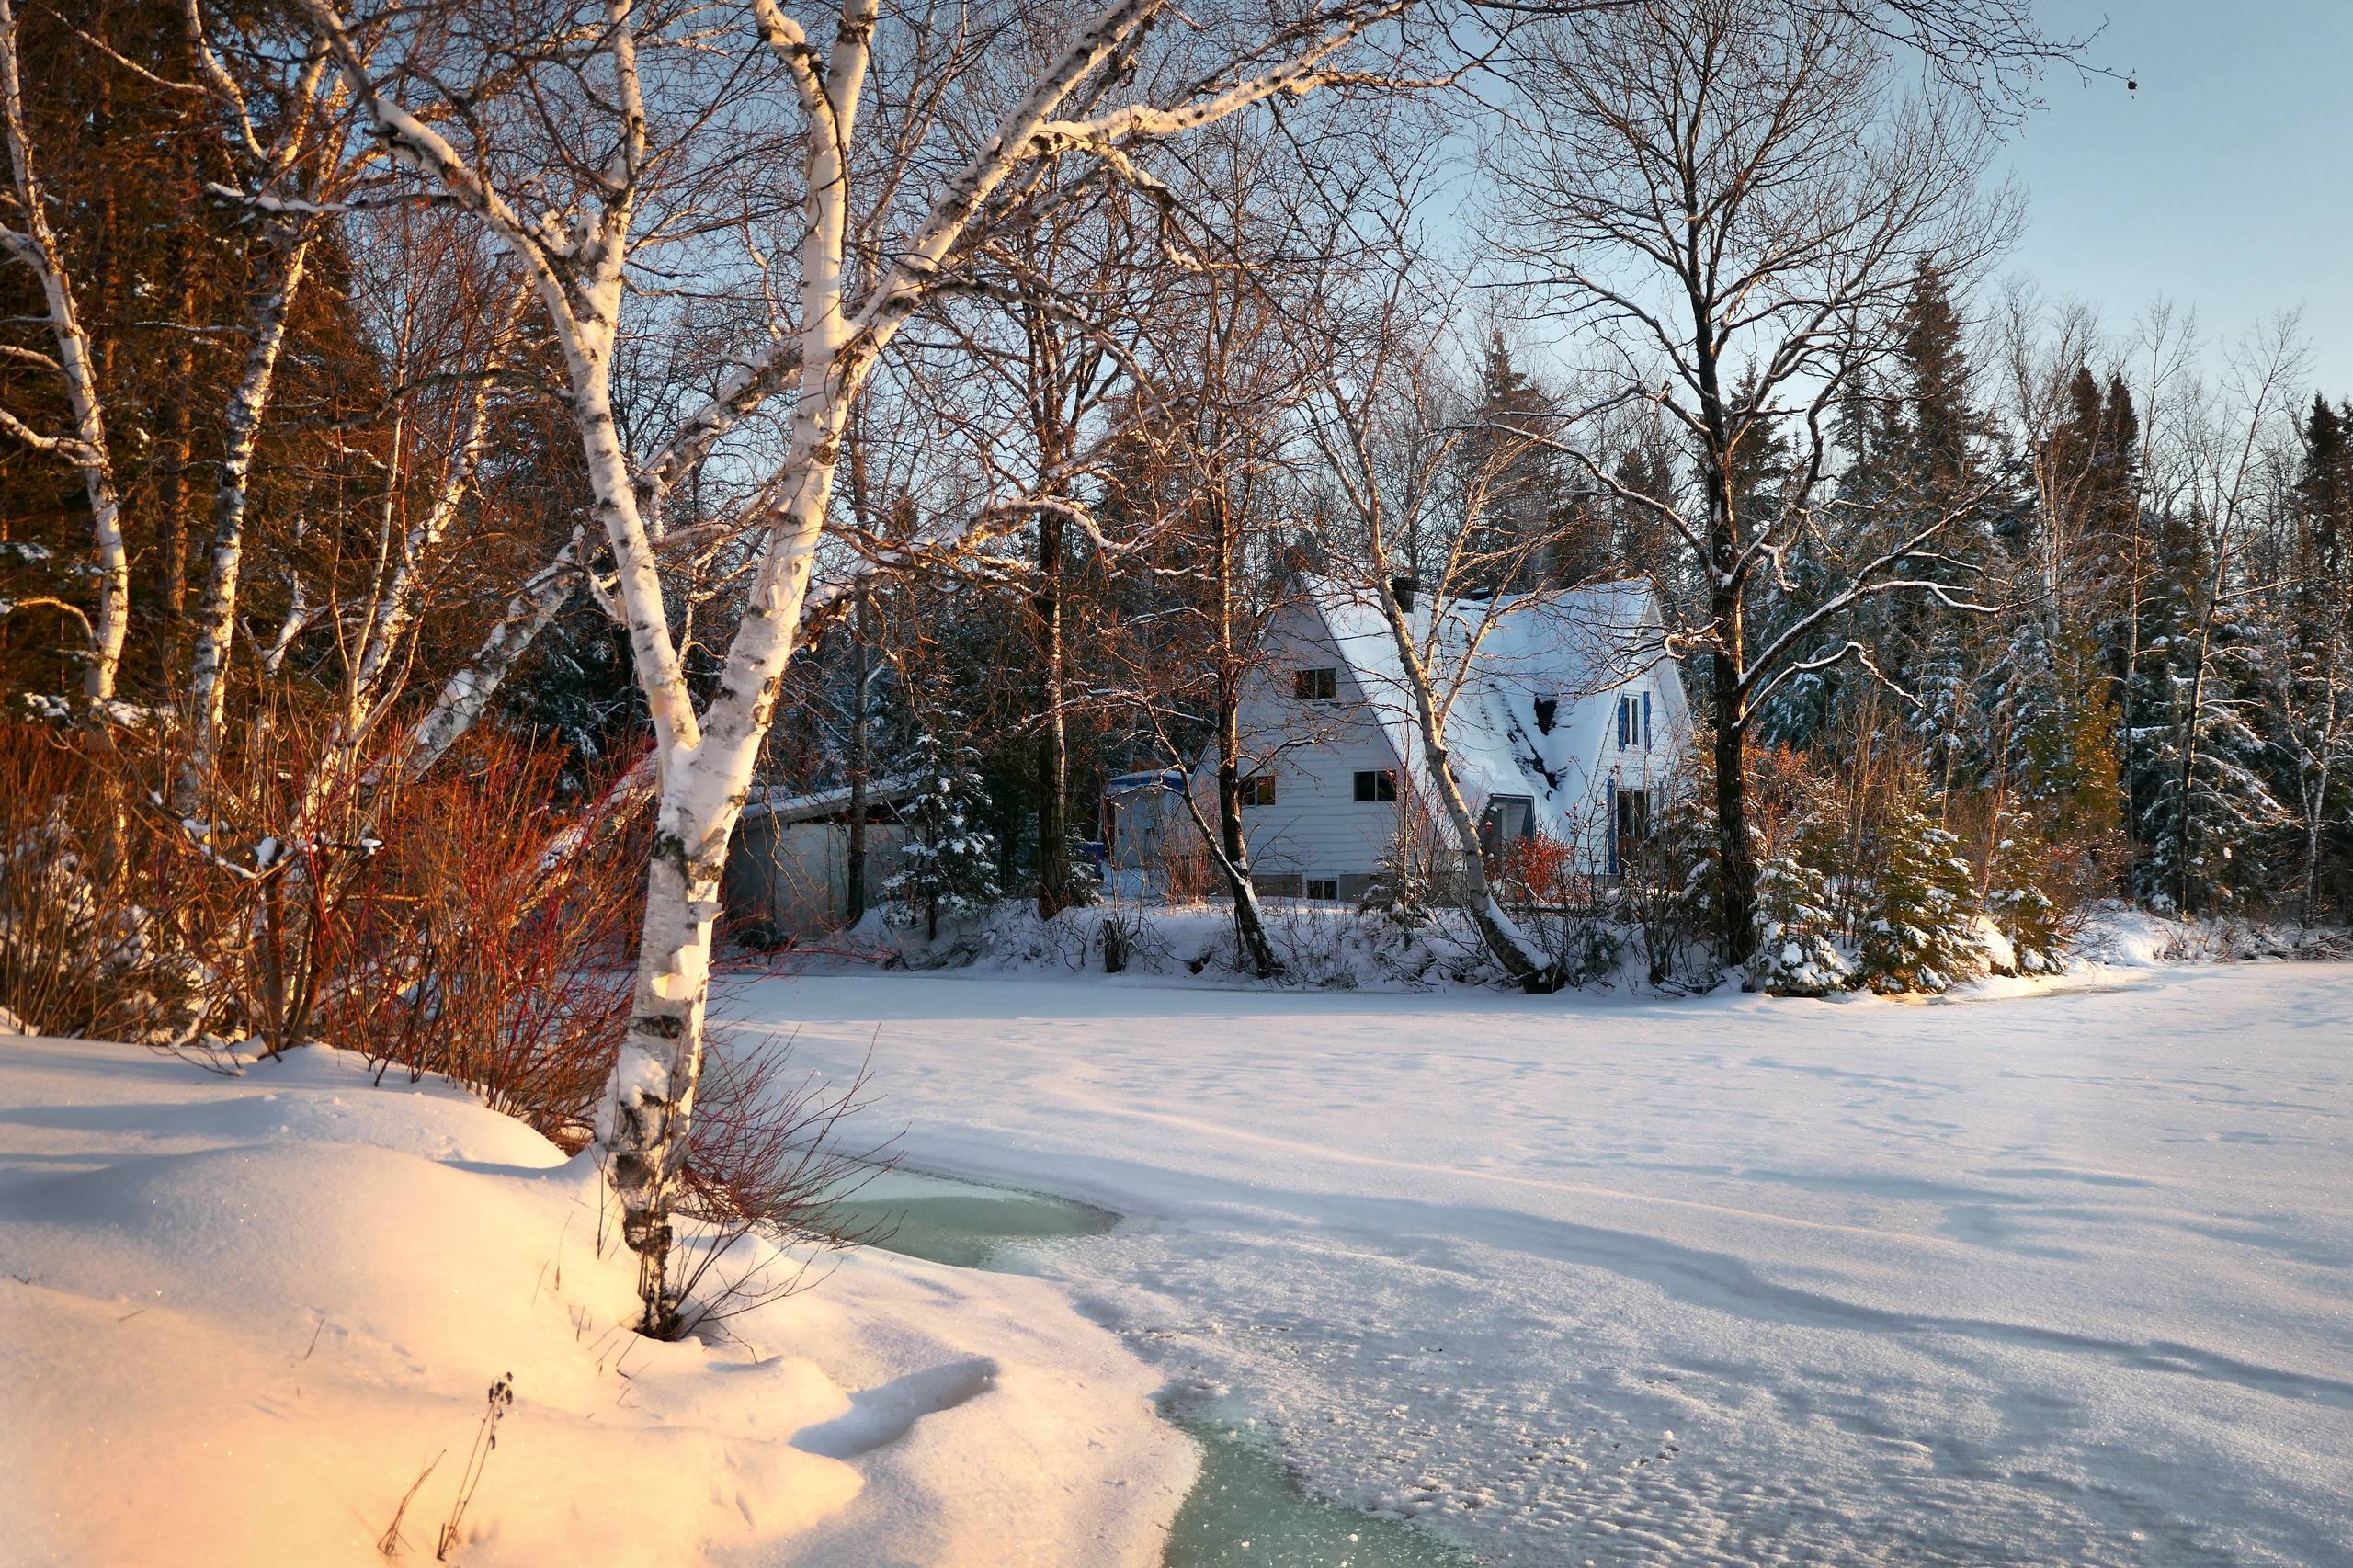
[1548,708]
[1315,684]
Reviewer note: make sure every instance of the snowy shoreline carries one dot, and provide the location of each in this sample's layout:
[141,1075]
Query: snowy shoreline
[242,1314]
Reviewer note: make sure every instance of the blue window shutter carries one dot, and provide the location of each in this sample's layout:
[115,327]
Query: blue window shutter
[1646,720]
[1610,827]
[1623,726]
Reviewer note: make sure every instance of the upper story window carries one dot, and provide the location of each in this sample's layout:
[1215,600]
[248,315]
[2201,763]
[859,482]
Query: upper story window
[1376,784]
[1633,720]
[1258,789]
[1315,684]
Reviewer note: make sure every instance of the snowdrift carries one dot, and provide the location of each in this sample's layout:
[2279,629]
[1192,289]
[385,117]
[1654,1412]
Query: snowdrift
[243,1318]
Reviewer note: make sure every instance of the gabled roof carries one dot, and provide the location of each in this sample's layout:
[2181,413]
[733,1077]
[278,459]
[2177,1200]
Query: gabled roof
[1576,648]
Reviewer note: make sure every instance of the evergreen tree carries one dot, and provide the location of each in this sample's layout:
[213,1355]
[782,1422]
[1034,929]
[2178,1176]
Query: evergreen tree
[2029,921]
[1795,953]
[1919,924]
[949,864]
[2053,735]
[2202,801]
[2306,666]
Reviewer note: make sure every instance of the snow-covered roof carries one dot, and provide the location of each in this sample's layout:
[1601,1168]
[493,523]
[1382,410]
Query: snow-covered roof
[770,801]
[1171,779]
[1575,648]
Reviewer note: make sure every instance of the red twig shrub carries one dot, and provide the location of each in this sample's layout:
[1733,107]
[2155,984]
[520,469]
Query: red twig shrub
[467,925]
[1540,869]
[489,944]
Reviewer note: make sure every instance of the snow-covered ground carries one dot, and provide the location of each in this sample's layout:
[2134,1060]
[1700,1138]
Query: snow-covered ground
[2061,1277]
[239,1317]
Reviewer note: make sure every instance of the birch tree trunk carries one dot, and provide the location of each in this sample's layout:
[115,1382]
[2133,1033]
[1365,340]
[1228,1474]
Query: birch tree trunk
[1231,843]
[1521,959]
[36,245]
[216,616]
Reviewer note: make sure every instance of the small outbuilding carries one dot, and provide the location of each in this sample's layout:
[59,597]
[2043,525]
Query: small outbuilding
[789,874]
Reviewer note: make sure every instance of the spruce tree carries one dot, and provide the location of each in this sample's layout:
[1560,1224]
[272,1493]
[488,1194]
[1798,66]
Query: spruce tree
[1796,954]
[949,864]
[2029,921]
[1919,922]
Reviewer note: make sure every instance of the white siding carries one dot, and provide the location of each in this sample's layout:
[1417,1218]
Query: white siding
[1316,826]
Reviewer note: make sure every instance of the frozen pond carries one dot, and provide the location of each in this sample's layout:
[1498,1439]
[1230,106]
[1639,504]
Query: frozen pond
[2060,1279]
[962,1224]
[1244,1510]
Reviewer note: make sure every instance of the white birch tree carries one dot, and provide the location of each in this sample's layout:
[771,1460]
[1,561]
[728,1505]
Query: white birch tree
[582,200]
[29,238]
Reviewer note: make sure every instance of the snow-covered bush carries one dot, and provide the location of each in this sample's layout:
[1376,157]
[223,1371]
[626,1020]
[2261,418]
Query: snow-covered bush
[87,944]
[2031,925]
[1669,887]
[949,863]
[1798,837]
[1795,953]
[1918,922]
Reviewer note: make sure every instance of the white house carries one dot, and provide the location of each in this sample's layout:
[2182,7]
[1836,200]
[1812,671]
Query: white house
[1568,724]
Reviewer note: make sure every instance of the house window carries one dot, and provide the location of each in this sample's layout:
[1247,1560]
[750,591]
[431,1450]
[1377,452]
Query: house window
[1258,789]
[1376,784]
[1547,709]
[1625,722]
[1630,823]
[1324,887]
[1315,685]
[1633,812]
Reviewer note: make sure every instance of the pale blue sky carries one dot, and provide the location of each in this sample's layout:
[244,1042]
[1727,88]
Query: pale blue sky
[2223,182]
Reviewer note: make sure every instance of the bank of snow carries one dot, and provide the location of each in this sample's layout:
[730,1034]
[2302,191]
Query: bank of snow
[241,1316]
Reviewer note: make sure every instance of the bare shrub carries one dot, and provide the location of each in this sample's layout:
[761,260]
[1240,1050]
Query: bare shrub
[1186,874]
[765,1158]
[1419,867]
